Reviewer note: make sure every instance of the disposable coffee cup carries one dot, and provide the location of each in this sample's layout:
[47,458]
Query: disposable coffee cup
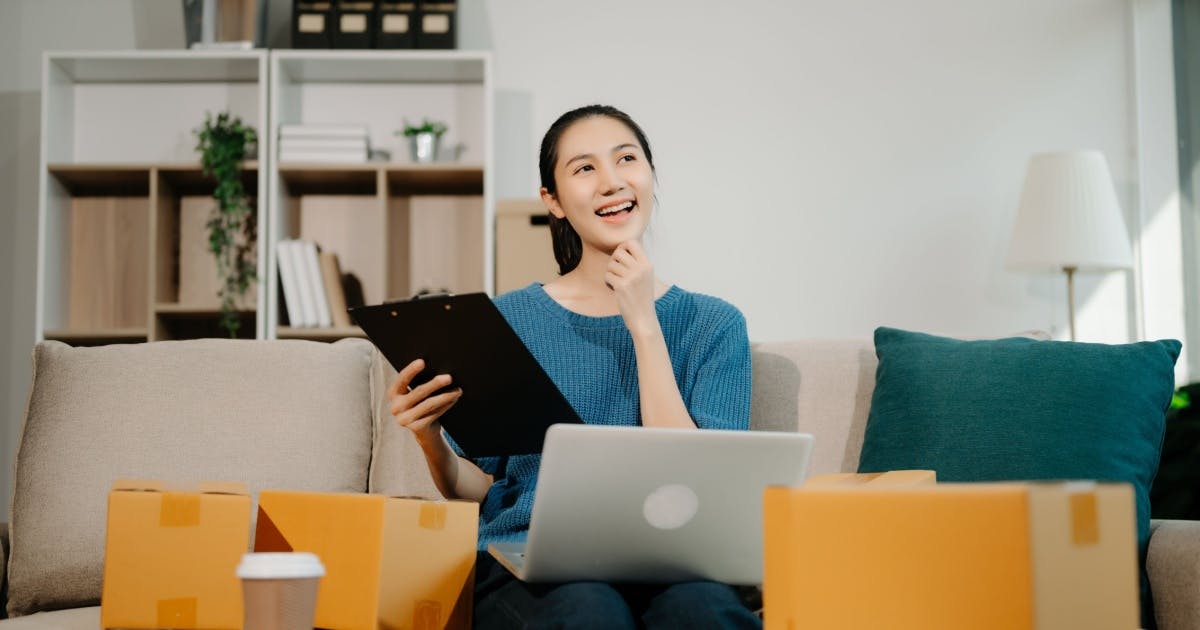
[279,590]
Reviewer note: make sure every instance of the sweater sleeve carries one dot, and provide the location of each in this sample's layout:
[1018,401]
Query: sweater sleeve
[720,395]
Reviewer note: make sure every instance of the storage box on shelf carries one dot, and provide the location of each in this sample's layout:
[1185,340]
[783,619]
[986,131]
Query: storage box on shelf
[397,228]
[118,170]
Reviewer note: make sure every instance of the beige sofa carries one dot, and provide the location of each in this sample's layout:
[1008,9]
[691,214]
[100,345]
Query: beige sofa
[305,415]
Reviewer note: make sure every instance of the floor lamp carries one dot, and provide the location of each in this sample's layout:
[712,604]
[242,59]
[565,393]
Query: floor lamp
[1069,220]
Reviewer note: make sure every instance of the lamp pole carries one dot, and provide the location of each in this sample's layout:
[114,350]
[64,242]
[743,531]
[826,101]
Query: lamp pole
[1070,271]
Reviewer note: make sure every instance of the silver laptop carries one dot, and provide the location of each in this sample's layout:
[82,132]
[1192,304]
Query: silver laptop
[637,504]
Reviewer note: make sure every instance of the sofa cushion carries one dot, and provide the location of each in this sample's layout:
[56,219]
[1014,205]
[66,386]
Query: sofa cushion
[270,414]
[398,466]
[822,387]
[70,619]
[1018,409]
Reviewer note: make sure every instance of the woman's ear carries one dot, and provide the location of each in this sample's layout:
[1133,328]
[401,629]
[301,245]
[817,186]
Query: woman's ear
[551,204]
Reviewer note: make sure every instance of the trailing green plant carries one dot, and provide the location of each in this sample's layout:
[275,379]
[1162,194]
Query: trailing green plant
[427,126]
[223,143]
[1176,490]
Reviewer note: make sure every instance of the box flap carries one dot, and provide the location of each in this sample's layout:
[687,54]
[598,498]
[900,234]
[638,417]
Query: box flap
[224,487]
[204,487]
[898,478]
[137,485]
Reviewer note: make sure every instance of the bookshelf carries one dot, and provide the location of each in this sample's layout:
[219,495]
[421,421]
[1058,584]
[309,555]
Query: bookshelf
[118,172]
[120,182]
[397,227]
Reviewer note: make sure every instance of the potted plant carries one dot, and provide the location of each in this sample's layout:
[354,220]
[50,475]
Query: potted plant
[1176,490]
[223,143]
[424,139]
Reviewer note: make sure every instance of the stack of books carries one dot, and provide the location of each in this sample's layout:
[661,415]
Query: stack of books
[313,293]
[323,143]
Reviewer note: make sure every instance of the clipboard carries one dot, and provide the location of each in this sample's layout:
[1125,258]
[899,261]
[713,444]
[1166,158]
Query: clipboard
[508,400]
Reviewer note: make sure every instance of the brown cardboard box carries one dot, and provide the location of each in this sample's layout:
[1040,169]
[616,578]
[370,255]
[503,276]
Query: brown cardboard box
[524,250]
[1013,556]
[171,555]
[389,562]
[894,479]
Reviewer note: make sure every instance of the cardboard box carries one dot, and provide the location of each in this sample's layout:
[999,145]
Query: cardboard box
[1011,556]
[171,555]
[894,479]
[389,562]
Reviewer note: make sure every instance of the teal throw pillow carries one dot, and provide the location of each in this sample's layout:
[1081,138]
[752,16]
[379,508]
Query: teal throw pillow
[1021,409]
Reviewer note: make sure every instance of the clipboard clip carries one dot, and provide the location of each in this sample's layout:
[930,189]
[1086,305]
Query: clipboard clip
[426,295]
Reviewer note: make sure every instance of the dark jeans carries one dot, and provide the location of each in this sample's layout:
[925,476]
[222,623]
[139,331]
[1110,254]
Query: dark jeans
[502,601]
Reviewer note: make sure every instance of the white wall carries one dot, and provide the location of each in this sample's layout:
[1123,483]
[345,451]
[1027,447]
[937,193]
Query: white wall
[826,166]
[830,167]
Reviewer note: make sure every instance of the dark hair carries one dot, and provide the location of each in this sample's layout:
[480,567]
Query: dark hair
[568,247]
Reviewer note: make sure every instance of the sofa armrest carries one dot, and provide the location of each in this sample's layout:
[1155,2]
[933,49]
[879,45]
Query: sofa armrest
[1173,563]
[4,570]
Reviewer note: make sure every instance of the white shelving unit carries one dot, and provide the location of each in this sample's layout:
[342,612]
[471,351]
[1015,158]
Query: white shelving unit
[117,157]
[118,165]
[398,227]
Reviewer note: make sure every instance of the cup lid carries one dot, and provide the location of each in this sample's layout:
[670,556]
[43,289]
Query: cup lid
[268,566]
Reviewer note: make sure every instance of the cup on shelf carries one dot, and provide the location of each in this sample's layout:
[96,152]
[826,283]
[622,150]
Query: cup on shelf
[279,590]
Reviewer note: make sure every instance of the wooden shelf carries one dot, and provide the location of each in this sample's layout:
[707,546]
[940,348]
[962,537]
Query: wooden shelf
[99,336]
[330,179]
[319,334]
[402,179]
[192,312]
[83,180]
[189,179]
[435,179]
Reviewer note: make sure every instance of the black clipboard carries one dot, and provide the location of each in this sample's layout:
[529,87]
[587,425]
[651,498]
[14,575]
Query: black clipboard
[508,400]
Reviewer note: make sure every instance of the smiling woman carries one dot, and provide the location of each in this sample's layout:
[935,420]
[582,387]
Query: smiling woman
[623,347]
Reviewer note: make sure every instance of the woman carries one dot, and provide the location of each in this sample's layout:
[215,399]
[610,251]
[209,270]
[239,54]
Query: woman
[623,347]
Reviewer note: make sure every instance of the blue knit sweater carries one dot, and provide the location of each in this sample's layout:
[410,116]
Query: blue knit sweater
[592,361]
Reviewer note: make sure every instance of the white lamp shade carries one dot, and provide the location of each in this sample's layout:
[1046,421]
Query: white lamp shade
[1069,216]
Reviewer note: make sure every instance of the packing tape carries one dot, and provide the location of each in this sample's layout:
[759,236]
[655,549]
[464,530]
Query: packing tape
[427,615]
[1085,523]
[432,516]
[179,509]
[177,613]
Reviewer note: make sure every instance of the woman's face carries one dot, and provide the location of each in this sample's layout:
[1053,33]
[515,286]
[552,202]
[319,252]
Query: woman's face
[605,184]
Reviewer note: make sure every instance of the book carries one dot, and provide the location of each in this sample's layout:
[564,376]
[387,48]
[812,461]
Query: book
[308,307]
[323,144]
[307,130]
[287,278]
[323,156]
[312,268]
[331,276]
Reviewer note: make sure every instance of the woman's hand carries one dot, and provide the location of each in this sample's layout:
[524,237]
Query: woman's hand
[631,277]
[418,409]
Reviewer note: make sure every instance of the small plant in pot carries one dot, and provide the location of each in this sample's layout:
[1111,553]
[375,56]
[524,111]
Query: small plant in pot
[424,139]
[223,143]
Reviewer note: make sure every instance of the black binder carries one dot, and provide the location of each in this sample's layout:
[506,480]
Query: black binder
[312,24]
[397,25]
[508,400]
[355,23]
[438,26]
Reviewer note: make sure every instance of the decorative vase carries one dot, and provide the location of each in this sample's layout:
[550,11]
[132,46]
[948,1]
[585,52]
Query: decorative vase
[424,147]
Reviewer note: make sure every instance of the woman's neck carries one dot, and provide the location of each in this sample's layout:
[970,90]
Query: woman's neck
[583,289]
